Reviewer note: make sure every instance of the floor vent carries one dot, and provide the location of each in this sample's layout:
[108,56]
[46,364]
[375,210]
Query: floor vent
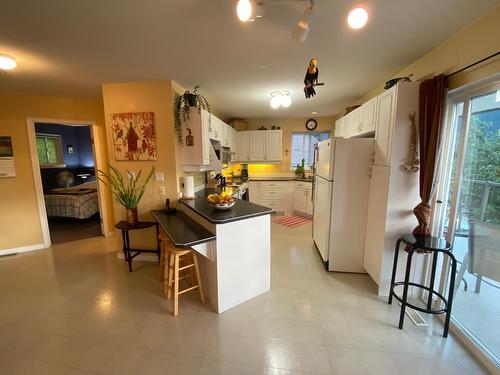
[415,317]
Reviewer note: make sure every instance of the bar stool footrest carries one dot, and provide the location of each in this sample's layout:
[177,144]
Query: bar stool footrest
[421,309]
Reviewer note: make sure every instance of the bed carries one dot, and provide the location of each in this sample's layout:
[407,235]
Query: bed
[78,202]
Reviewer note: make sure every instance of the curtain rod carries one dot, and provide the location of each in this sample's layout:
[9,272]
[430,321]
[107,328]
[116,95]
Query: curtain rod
[473,64]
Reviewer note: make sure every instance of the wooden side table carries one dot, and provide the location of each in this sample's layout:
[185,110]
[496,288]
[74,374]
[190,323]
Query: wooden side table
[127,250]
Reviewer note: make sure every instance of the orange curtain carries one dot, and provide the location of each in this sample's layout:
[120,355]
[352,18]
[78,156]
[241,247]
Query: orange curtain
[432,94]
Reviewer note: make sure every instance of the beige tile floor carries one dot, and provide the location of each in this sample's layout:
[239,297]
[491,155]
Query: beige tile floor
[75,309]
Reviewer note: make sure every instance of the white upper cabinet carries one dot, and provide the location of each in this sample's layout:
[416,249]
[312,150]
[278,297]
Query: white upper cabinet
[339,127]
[369,115]
[234,145]
[226,135]
[257,145]
[195,150]
[273,145]
[385,124]
[243,146]
[260,145]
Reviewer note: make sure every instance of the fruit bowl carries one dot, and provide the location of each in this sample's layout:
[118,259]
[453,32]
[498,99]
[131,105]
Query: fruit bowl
[223,201]
[223,206]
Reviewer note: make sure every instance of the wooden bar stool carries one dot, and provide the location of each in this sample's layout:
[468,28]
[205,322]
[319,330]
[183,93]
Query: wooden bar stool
[178,264]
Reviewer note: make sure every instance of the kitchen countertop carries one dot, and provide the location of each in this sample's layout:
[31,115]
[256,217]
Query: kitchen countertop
[242,209]
[279,178]
[181,229]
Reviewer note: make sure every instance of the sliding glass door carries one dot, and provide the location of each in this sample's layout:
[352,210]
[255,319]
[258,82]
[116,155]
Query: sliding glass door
[468,212]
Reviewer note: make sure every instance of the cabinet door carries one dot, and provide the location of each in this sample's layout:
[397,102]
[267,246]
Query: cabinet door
[384,127]
[205,137]
[254,192]
[309,203]
[369,113]
[273,145]
[244,146]
[350,125]
[257,145]
[355,122]
[234,145]
[299,200]
[339,127]
[226,134]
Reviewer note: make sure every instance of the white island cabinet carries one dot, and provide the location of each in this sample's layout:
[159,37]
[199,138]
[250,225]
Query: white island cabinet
[236,265]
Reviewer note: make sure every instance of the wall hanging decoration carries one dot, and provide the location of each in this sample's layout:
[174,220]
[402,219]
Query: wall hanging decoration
[412,164]
[7,167]
[134,136]
[182,104]
[311,124]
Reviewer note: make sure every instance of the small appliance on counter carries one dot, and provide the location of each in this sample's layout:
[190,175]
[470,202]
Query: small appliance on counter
[244,172]
[187,185]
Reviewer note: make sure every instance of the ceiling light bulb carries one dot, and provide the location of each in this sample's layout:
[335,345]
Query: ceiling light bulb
[244,10]
[357,18]
[275,101]
[7,62]
[286,101]
[259,10]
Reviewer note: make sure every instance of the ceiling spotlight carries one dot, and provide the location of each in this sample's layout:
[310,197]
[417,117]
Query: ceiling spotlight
[357,18]
[301,29]
[281,98]
[259,10]
[244,10]
[7,62]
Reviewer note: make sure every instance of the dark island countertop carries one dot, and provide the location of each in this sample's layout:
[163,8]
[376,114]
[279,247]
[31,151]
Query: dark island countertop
[242,209]
[181,229]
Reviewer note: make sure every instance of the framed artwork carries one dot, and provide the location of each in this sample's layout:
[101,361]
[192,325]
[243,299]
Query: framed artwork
[134,136]
[6,147]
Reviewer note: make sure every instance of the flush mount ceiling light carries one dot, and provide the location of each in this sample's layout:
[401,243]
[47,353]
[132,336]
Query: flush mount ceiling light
[281,98]
[7,62]
[357,18]
[249,10]
[301,29]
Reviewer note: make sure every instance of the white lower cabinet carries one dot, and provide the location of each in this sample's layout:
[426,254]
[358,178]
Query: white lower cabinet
[272,194]
[302,197]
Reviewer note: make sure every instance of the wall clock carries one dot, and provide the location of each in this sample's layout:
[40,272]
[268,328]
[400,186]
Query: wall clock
[311,124]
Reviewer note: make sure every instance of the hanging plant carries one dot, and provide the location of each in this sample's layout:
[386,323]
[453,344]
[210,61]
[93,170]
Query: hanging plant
[182,105]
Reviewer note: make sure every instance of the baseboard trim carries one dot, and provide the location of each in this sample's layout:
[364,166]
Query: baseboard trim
[22,249]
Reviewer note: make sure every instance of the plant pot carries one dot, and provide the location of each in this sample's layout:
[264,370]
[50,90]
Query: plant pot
[132,217]
[192,100]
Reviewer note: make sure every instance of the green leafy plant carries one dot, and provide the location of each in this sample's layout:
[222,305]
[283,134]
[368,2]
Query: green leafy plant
[300,169]
[182,104]
[125,189]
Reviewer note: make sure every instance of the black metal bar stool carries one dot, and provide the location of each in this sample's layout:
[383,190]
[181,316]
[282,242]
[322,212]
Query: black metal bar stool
[424,244]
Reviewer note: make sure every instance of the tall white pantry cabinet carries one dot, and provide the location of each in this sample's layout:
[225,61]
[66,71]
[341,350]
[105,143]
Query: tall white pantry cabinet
[393,192]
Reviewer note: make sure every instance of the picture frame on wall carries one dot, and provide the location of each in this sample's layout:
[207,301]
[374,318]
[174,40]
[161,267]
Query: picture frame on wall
[134,136]
[6,150]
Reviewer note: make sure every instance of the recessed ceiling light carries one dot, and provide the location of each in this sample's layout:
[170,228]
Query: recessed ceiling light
[7,62]
[314,113]
[357,18]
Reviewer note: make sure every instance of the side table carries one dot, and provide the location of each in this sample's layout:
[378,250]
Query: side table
[127,250]
[424,244]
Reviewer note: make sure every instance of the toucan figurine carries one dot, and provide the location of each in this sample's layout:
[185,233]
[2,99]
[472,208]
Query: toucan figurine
[311,79]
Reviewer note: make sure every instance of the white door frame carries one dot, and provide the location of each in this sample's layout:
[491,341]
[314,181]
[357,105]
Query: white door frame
[37,177]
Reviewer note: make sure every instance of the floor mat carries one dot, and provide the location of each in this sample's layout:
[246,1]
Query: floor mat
[292,221]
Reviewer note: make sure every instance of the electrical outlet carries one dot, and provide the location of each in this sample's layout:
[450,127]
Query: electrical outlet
[159,176]
[161,189]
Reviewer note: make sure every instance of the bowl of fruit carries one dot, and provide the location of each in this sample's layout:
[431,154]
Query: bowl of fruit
[223,201]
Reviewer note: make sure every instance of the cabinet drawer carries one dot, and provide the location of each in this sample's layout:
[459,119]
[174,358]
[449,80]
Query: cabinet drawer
[276,205]
[273,194]
[272,186]
[303,185]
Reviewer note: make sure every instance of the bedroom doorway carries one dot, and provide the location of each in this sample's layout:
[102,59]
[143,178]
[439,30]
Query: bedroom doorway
[65,160]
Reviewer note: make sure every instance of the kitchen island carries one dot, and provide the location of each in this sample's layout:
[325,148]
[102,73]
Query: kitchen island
[235,247]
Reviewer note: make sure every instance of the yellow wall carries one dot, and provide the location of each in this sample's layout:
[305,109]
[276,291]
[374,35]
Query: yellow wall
[151,96]
[287,126]
[19,220]
[478,40]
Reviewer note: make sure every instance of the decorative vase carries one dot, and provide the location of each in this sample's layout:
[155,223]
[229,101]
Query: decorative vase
[132,217]
[192,99]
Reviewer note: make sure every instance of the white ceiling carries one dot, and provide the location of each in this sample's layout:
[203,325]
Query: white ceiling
[70,47]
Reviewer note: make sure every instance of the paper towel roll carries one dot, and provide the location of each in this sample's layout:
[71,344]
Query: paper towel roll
[188,187]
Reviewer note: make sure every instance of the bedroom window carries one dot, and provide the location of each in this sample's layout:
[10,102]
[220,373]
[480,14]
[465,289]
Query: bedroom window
[49,149]
[303,147]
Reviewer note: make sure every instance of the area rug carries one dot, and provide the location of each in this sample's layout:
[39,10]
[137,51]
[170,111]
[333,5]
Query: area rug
[292,221]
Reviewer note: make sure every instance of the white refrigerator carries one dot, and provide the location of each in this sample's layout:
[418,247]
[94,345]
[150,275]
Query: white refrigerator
[341,187]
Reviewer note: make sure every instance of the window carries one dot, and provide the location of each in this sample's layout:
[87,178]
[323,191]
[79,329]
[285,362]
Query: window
[303,147]
[49,149]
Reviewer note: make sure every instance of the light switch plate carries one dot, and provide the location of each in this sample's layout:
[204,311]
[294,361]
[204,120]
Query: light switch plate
[159,176]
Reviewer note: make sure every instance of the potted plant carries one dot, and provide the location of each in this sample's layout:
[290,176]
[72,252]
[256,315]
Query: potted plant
[300,170]
[182,104]
[125,190]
